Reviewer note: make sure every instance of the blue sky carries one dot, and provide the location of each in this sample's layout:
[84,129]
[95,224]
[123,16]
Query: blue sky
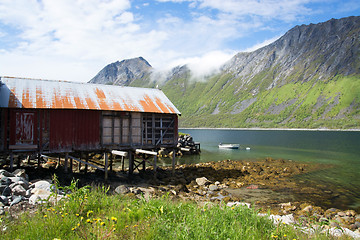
[74,39]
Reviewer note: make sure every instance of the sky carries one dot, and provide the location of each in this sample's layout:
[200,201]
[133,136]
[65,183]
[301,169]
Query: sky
[74,39]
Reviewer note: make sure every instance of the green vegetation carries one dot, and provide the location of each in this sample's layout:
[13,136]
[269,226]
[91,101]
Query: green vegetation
[328,103]
[93,213]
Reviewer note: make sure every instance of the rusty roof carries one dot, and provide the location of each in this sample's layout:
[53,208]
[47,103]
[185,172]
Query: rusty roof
[42,94]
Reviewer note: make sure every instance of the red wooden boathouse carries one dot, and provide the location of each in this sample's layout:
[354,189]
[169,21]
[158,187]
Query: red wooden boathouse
[58,116]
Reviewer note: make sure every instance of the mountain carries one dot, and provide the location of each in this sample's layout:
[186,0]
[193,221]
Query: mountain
[124,72]
[308,78]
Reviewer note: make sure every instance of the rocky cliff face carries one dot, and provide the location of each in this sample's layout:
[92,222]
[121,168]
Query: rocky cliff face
[124,72]
[305,52]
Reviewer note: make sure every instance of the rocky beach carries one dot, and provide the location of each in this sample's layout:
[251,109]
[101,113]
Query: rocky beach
[269,185]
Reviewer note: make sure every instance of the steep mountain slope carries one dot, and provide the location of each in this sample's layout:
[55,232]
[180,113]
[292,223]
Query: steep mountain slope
[124,72]
[309,78]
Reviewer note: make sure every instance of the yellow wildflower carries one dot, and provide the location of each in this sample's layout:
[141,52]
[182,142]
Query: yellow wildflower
[114,219]
[45,216]
[102,223]
[89,212]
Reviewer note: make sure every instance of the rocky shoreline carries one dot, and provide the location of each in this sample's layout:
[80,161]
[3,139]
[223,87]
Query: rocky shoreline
[268,185]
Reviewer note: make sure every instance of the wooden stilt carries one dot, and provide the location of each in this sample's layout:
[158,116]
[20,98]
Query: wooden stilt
[122,163]
[66,162]
[173,162]
[87,160]
[18,162]
[11,161]
[71,165]
[131,163]
[155,167]
[111,161]
[143,164]
[39,160]
[106,166]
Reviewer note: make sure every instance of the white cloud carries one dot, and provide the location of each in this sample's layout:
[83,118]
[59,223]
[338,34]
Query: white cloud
[74,39]
[283,9]
[72,33]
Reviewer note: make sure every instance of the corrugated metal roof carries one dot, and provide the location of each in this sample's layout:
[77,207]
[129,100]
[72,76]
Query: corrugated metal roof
[34,93]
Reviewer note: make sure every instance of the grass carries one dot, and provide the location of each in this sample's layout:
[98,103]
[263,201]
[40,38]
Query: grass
[93,213]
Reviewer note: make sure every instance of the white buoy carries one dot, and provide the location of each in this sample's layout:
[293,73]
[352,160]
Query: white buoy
[247,148]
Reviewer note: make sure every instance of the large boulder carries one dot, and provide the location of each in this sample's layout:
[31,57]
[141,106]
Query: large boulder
[122,189]
[18,190]
[202,181]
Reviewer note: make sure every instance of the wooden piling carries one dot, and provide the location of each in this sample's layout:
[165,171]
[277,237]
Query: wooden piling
[106,166]
[11,161]
[173,162]
[66,162]
[131,162]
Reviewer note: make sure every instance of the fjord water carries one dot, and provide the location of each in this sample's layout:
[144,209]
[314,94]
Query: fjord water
[338,149]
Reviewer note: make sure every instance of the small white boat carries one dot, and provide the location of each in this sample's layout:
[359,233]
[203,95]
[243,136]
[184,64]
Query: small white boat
[229,146]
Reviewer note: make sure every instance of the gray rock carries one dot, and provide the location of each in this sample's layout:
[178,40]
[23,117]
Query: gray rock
[232,204]
[43,184]
[5,181]
[7,191]
[2,187]
[18,179]
[18,190]
[213,187]
[202,181]
[25,185]
[122,189]
[34,199]
[307,208]
[21,173]
[136,191]
[42,195]
[28,193]
[341,214]
[4,200]
[2,211]
[16,200]
[4,173]
[334,224]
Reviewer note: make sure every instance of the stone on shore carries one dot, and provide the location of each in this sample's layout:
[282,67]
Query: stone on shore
[203,181]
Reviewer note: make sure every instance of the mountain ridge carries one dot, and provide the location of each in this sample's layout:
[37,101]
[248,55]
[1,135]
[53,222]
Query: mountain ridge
[308,78]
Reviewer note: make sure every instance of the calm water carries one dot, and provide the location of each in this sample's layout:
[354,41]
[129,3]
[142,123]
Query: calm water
[340,149]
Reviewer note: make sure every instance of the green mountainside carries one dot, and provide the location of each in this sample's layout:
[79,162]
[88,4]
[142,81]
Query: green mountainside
[309,78]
